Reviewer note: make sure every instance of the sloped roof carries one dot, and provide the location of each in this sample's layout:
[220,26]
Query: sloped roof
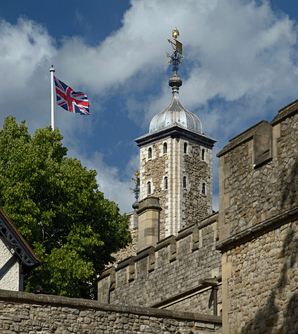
[14,238]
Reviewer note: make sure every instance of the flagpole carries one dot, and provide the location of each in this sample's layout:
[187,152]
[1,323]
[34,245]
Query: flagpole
[52,70]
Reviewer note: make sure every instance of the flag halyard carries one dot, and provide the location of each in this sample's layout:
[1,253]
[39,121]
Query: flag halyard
[68,99]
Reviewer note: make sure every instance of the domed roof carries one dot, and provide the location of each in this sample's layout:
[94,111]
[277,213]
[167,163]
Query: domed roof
[175,113]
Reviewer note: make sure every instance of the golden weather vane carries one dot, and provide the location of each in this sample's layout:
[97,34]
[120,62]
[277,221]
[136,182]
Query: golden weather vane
[136,178]
[177,56]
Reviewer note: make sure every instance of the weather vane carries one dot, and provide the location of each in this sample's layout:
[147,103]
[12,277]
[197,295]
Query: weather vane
[177,56]
[136,189]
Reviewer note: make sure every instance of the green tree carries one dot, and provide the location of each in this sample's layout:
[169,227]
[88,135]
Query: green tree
[56,205]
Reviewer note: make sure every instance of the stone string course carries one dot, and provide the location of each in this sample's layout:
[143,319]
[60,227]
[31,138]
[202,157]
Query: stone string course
[23,313]
[172,269]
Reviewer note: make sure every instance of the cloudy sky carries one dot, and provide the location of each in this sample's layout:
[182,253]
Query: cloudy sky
[240,67]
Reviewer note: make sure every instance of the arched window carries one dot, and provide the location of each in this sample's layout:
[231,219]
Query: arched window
[184,181]
[203,188]
[149,153]
[185,148]
[166,182]
[203,154]
[149,188]
[165,148]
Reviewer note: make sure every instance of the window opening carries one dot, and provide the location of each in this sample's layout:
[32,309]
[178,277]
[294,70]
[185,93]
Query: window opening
[185,148]
[184,181]
[203,189]
[166,182]
[165,148]
[149,188]
[149,153]
[203,154]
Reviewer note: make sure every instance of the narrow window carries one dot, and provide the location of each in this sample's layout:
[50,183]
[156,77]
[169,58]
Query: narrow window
[165,148]
[203,154]
[185,148]
[149,188]
[184,181]
[149,153]
[203,189]
[166,182]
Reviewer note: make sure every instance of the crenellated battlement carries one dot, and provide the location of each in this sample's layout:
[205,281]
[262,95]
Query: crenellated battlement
[176,266]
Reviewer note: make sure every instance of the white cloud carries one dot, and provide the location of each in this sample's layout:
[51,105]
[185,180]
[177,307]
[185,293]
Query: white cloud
[240,66]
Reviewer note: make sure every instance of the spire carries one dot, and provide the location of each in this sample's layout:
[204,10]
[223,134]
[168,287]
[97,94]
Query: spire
[175,113]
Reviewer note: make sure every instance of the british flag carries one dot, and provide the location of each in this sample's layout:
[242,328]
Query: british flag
[76,102]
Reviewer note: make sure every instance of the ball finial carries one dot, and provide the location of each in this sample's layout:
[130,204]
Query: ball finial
[175,33]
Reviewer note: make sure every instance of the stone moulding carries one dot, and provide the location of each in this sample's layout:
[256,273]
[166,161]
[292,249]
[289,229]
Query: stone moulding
[257,230]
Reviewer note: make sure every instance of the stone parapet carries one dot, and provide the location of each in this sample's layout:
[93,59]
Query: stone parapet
[175,265]
[28,313]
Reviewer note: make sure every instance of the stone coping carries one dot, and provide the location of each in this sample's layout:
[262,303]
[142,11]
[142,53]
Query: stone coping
[258,229]
[171,239]
[203,284]
[34,299]
[285,112]
[125,262]
[239,139]
[209,220]
[144,252]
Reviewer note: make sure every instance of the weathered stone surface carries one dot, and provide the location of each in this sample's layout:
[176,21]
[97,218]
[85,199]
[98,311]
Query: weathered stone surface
[93,317]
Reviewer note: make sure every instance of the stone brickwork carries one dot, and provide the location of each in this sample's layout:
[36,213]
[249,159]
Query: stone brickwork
[28,313]
[154,170]
[248,194]
[174,266]
[201,302]
[258,212]
[181,206]
[263,283]
[129,250]
[196,205]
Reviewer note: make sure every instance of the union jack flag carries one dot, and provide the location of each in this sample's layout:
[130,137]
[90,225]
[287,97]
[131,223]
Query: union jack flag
[76,102]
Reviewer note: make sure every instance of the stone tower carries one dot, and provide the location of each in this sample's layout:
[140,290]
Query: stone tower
[176,165]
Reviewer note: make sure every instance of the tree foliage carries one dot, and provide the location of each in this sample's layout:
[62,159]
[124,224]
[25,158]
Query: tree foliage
[56,205]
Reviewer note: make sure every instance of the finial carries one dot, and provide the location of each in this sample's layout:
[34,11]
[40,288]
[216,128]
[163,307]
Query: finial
[177,56]
[136,189]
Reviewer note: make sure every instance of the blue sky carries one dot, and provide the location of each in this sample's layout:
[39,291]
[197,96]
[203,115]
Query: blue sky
[240,67]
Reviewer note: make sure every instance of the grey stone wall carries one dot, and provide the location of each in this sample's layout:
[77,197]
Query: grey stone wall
[197,205]
[201,302]
[154,170]
[258,212]
[129,250]
[250,194]
[263,287]
[176,265]
[28,313]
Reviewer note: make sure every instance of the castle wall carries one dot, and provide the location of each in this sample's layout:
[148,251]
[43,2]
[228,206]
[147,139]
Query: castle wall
[258,213]
[262,286]
[29,313]
[162,274]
